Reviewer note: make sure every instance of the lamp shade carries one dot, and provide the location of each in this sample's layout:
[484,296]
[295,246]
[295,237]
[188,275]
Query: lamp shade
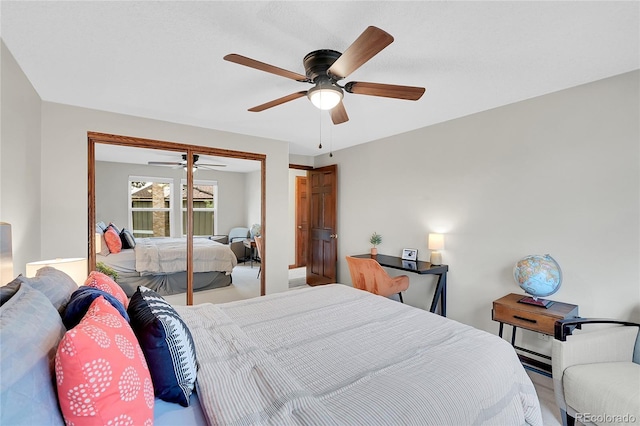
[436,241]
[6,254]
[75,267]
[325,96]
[98,240]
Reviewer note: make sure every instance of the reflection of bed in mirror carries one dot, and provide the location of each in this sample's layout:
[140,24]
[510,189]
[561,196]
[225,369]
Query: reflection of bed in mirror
[160,264]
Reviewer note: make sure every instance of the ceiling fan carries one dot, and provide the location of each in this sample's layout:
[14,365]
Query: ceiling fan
[183,163]
[325,68]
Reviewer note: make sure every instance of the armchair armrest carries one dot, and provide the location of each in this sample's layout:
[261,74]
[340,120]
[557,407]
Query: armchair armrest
[564,328]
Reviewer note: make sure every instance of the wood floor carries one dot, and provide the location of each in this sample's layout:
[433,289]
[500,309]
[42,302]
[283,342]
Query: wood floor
[544,388]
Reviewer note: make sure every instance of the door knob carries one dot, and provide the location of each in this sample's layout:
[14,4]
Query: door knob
[299,226]
[333,236]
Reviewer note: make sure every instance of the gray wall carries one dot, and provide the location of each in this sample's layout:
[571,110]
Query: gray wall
[556,174]
[252,198]
[20,163]
[112,183]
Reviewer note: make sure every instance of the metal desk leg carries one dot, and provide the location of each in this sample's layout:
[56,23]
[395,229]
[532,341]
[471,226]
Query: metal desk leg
[443,295]
[513,336]
[500,329]
[440,295]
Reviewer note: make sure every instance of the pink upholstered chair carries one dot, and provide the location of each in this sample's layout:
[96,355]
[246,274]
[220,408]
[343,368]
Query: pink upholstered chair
[368,275]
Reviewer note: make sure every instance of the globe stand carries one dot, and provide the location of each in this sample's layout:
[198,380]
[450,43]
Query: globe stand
[543,303]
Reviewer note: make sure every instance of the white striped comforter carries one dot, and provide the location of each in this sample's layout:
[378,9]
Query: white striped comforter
[168,255]
[336,355]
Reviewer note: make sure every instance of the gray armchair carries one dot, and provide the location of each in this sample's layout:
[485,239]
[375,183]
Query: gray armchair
[236,238]
[596,374]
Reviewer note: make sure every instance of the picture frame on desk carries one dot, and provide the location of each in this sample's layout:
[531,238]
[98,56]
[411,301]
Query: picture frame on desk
[410,254]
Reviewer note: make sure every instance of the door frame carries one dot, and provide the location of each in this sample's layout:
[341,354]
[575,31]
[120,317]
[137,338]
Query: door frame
[295,248]
[301,243]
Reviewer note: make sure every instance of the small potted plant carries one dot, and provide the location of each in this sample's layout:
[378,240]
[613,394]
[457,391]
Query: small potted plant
[375,240]
[101,267]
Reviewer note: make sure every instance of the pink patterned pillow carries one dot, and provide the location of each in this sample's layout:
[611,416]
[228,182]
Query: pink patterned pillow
[112,238]
[101,373]
[105,283]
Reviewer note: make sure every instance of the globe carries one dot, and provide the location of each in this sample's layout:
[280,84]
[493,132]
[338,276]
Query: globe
[538,275]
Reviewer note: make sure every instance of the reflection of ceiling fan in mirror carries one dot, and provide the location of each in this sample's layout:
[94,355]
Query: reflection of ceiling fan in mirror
[183,163]
[324,68]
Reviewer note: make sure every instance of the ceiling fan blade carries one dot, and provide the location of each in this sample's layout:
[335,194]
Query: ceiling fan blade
[252,63]
[278,101]
[163,163]
[410,93]
[339,114]
[210,165]
[370,42]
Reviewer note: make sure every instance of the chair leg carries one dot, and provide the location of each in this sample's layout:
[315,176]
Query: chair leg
[259,270]
[567,420]
[400,294]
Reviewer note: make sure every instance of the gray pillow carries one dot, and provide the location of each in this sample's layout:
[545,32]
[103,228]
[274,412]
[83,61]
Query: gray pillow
[7,291]
[30,330]
[53,283]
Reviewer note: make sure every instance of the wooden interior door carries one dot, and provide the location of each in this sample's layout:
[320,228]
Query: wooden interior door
[302,221]
[323,207]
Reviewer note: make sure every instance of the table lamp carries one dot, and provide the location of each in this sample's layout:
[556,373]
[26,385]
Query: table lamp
[98,240]
[435,243]
[6,254]
[75,267]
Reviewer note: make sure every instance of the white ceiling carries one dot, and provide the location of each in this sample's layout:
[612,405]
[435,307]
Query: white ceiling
[163,60]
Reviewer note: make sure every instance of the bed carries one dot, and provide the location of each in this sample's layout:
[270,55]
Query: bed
[160,264]
[321,355]
[336,355]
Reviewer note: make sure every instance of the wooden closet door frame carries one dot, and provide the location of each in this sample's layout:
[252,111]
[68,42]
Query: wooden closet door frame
[135,142]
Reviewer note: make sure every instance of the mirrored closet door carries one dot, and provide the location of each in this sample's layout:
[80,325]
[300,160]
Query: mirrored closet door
[162,192]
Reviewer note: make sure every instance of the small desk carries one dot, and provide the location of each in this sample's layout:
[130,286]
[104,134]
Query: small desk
[422,268]
[249,244]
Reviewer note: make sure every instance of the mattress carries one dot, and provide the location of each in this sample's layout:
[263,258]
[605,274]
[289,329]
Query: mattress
[336,355]
[124,263]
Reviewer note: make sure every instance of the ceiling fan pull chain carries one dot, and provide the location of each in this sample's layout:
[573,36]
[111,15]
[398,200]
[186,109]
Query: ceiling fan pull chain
[320,121]
[330,141]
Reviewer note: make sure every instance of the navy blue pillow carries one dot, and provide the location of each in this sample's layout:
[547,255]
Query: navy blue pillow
[167,345]
[80,301]
[128,241]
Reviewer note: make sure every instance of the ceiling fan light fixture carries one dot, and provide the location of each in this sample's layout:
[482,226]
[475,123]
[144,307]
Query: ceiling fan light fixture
[325,96]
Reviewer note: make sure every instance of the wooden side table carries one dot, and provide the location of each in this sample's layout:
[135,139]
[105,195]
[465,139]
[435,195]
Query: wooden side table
[508,310]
